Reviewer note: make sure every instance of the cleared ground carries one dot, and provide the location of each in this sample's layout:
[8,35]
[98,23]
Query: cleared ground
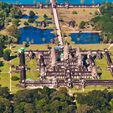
[76,14]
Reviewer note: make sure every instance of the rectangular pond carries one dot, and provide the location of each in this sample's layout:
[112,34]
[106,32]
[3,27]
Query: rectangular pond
[86,38]
[87,2]
[35,35]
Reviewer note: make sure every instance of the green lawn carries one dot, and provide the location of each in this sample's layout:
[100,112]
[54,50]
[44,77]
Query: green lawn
[33,75]
[91,46]
[106,75]
[15,86]
[5,80]
[5,67]
[16,47]
[89,88]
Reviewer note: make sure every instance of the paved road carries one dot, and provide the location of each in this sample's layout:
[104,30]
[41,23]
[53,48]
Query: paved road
[57,23]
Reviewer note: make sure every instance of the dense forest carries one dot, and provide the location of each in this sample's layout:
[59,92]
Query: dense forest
[48,100]
[104,22]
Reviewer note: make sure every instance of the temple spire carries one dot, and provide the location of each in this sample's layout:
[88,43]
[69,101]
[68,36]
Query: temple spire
[66,52]
[53,57]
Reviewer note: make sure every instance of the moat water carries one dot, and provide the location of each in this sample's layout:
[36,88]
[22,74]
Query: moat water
[86,38]
[87,2]
[35,35]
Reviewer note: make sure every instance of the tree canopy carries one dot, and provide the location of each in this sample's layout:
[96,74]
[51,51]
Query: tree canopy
[104,21]
[48,100]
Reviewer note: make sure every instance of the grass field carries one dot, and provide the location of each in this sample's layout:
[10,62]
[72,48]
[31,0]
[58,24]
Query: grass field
[76,14]
[89,88]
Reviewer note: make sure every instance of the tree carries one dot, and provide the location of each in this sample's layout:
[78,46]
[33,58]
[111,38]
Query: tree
[5,106]
[16,22]
[6,54]
[45,16]
[29,108]
[84,108]
[82,25]
[1,63]
[13,31]
[104,22]
[31,14]
[26,24]
[1,51]
[31,20]
[98,100]
[4,92]
[15,12]
[15,78]
[44,100]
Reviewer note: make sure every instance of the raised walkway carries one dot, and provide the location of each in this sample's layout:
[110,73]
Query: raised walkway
[58,30]
[111,45]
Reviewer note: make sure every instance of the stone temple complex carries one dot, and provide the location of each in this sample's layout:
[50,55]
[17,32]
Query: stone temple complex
[65,66]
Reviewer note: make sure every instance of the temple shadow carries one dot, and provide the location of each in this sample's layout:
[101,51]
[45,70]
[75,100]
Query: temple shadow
[13,57]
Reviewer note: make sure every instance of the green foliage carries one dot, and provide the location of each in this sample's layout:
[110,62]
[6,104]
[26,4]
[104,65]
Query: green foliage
[31,17]
[26,23]
[16,22]
[6,54]
[97,100]
[25,44]
[31,14]
[74,12]
[15,12]
[82,25]
[7,11]
[45,16]
[31,20]
[104,21]
[13,31]
[1,63]
[5,105]
[1,51]
[44,101]
[15,78]
[84,108]
[107,9]
[4,92]
[48,100]
[4,40]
